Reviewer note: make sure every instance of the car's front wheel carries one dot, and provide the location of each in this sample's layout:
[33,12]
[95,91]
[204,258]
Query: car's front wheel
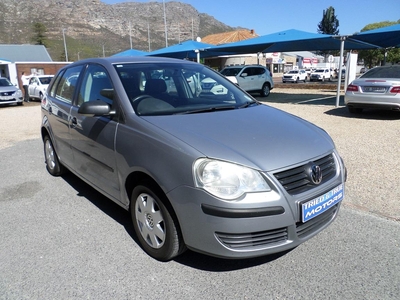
[53,165]
[155,227]
[265,90]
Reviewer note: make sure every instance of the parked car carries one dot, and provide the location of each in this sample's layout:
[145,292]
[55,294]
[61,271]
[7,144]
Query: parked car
[321,75]
[38,86]
[363,70]
[9,93]
[251,78]
[218,173]
[336,72]
[378,88]
[309,71]
[295,76]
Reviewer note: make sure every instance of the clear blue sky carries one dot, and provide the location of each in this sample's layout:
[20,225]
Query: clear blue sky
[267,17]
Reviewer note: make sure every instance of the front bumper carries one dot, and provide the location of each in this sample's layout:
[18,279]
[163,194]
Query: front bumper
[234,230]
[11,100]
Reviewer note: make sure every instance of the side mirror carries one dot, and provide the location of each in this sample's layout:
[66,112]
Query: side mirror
[108,93]
[95,108]
[243,75]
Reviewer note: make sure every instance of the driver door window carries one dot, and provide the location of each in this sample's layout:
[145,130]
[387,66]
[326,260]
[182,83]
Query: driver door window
[96,85]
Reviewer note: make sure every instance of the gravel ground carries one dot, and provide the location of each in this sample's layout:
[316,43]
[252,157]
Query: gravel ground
[369,143]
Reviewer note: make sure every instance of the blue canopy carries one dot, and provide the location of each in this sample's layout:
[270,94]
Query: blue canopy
[384,37]
[187,49]
[289,41]
[131,52]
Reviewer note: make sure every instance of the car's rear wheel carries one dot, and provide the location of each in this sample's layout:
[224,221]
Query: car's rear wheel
[265,90]
[53,165]
[156,228]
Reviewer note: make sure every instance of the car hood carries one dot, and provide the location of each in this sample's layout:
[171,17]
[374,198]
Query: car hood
[260,137]
[232,78]
[10,88]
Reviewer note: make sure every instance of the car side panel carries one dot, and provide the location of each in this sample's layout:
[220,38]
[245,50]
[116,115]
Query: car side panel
[92,143]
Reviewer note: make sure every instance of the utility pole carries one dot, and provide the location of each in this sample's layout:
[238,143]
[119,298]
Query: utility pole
[65,46]
[130,33]
[165,25]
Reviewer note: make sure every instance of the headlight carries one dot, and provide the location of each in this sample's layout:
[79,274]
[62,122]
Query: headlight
[18,94]
[226,180]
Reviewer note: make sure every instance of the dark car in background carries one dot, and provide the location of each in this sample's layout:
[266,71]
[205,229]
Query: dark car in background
[377,88]
[197,162]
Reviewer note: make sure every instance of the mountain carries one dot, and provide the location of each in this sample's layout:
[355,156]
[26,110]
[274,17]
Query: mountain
[93,28]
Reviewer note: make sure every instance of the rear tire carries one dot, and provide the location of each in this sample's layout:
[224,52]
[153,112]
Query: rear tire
[265,90]
[156,228]
[53,165]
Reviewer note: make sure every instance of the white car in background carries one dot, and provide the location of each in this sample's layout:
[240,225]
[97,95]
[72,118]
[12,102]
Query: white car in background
[38,86]
[9,93]
[251,78]
[321,75]
[295,76]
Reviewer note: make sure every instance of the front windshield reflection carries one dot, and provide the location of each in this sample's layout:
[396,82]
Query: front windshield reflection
[167,89]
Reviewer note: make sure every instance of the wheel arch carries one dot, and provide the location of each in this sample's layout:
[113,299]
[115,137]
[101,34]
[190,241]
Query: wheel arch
[141,178]
[138,177]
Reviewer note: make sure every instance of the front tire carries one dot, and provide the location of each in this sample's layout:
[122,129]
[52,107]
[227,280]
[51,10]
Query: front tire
[265,90]
[155,227]
[53,165]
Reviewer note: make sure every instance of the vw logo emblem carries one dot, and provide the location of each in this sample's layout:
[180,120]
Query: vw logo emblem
[316,174]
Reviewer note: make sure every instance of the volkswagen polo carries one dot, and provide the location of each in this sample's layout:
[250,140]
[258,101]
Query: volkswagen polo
[211,170]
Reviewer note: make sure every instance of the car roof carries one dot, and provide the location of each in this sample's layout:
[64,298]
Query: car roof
[242,66]
[133,59]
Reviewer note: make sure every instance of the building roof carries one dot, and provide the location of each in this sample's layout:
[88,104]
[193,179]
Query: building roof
[24,53]
[229,37]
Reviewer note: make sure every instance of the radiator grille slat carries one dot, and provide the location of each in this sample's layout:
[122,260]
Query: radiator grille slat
[297,180]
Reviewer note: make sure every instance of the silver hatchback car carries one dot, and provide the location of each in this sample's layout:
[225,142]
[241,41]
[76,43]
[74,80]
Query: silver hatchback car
[212,170]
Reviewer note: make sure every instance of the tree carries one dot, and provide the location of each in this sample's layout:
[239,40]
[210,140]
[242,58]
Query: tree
[40,37]
[329,23]
[376,57]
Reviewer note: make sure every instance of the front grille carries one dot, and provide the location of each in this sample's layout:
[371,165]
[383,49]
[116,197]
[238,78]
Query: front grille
[304,229]
[249,241]
[297,180]
[6,93]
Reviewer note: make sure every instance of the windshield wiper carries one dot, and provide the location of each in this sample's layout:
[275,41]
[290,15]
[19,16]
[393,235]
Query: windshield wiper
[207,109]
[247,104]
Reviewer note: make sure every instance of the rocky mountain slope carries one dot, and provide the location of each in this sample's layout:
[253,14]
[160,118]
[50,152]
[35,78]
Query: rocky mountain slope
[93,28]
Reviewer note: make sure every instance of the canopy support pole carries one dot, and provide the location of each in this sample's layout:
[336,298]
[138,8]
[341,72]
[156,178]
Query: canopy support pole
[342,39]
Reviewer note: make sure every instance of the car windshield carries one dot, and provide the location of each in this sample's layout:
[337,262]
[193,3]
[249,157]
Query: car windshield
[293,72]
[231,71]
[383,72]
[319,71]
[45,80]
[179,88]
[5,82]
